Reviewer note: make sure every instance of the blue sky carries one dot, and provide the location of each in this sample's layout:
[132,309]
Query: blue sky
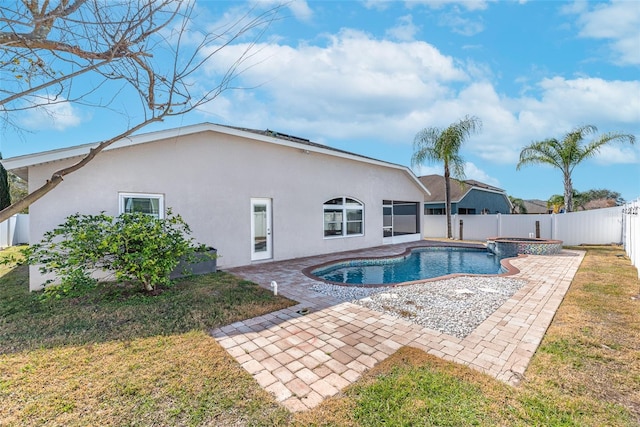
[366,76]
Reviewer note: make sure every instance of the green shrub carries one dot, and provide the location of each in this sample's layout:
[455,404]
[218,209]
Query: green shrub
[133,246]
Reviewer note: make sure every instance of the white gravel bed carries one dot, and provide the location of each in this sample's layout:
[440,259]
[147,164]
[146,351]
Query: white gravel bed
[454,306]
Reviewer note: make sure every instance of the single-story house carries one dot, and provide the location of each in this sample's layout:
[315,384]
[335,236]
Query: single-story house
[254,195]
[468,197]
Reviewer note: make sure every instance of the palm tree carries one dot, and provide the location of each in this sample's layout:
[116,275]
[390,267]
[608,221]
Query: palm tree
[568,153]
[555,203]
[517,205]
[443,145]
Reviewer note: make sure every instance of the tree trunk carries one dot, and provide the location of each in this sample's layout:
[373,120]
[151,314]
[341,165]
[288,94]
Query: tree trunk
[447,198]
[568,193]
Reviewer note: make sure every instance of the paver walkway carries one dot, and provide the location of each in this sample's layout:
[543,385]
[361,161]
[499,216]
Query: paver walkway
[303,359]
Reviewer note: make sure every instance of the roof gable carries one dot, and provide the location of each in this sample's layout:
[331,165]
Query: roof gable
[459,189]
[20,164]
[436,185]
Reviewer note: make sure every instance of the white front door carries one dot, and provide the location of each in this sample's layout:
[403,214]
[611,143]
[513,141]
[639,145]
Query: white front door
[260,229]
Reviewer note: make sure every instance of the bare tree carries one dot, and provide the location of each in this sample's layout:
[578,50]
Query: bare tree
[91,52]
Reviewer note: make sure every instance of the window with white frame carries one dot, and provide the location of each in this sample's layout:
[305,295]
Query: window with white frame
[343,216]
[150,204]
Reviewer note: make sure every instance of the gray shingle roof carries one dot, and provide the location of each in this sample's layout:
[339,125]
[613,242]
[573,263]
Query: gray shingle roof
[435,184]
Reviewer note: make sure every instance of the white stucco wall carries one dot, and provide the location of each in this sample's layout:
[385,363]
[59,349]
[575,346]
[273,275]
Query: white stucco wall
[209,178]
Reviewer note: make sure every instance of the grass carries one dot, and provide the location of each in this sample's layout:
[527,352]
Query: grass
[127,360]
[592,348]
[112,356]
[123,312]
[585,373]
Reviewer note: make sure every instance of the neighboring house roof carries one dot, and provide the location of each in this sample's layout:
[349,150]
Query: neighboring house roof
[598,204]
[535,206]
[459,189]
[540,206]
[20,164]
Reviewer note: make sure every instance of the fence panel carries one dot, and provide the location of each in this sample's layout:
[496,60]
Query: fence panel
[14,230]
[21,231]
[476,227]
[6,232]
[631,218]
[525,225]
[435,226]
[598,226]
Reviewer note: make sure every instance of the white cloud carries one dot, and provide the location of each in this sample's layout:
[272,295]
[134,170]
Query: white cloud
[471,171]
[353,80]
[240,22]
[355,87]
[56,114]
[574,102]
[451,16]
[300,9]
[460,25]
[405,30]
[422,170]
[377,4]
[616,154]
[438,4]
[618,22]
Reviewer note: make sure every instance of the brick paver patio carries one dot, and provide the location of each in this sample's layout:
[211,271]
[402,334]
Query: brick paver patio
[303,359]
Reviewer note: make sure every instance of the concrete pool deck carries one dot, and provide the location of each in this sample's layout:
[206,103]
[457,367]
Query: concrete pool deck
[303,359]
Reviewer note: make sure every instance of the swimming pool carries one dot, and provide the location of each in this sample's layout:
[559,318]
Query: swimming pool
[419,264]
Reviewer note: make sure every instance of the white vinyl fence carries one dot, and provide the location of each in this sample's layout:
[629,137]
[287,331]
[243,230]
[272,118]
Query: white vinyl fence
[14,231]
[598,226]
[617,225]
[631,233]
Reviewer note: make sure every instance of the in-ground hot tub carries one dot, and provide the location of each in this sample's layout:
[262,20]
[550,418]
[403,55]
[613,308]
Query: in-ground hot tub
[512,246]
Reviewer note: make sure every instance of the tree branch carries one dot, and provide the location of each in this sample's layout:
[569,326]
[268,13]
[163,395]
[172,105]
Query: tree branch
[113,40]
[58,176]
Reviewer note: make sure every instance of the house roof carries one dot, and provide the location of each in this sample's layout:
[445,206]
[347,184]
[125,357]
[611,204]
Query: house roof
[459,189]
[535,206]
[20,164]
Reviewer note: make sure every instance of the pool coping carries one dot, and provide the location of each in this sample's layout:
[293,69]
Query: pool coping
[509,269]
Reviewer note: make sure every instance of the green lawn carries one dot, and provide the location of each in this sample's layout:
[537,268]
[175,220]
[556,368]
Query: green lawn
[114,357]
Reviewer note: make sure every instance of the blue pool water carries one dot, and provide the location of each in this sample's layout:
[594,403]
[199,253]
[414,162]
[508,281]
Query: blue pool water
[425,263]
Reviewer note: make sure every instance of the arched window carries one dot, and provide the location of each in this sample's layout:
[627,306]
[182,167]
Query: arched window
[343,216]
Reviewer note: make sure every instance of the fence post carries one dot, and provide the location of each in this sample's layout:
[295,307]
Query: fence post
[537,229]
[454,219]
[461,230]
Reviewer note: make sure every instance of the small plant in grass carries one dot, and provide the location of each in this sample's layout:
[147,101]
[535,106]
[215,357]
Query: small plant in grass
[134,247]
[73,284]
